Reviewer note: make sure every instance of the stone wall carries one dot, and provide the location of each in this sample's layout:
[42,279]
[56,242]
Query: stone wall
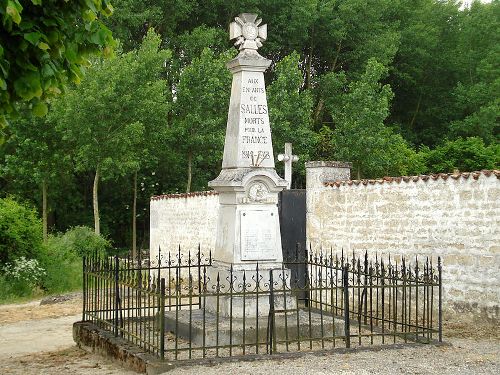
[183,219]
[455,216]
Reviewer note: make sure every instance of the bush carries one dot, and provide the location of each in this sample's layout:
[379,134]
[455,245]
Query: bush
[20,231]
[57,267]
[63,275]
[466,155]
[78,241]
[25,270]
[63,258]
[21,278]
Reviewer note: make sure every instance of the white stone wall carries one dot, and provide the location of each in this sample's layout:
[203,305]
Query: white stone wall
[456,217]
[183,219]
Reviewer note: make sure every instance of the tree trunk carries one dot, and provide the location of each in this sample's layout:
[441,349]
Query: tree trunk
[318,112]
[334,65]
[359,172]
[44,209]
[134,219]
[414,117]
[309,61]
[190,172]
[97,224]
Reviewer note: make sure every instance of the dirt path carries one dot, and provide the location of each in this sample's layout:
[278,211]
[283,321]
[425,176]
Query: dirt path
[36,339]
[34,336]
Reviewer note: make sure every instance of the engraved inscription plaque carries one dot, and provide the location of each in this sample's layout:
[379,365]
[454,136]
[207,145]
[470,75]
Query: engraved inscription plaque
[258,237]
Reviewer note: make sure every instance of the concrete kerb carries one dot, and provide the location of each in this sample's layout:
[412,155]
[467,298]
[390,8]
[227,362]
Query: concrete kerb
[94,339]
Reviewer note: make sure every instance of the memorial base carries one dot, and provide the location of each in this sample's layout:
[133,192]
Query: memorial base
[245,290]
[203,328]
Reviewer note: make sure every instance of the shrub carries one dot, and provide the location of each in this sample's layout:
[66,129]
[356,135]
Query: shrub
[466,155]
[21,278]
[62,275]
[63,258]
[20,231]
[78,241]
[25,270]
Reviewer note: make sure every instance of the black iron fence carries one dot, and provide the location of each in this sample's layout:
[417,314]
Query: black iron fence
[183,306]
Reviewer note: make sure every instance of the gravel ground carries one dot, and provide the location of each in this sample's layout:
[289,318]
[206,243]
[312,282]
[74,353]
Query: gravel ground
[464,357]
[36,339]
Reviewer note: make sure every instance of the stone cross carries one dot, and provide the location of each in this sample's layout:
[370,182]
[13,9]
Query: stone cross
[288,158]
[247,31]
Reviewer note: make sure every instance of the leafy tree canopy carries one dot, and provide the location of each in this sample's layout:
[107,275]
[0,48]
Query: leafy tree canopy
[45,44]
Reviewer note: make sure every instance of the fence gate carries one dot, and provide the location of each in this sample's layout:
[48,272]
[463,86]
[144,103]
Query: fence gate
[292,213]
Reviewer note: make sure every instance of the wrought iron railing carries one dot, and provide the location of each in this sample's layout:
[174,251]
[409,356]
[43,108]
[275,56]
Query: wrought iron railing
[183,306]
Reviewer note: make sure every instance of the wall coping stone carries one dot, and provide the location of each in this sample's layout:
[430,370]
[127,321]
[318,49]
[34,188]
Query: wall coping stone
[475,175]
[184,195]
[322,164]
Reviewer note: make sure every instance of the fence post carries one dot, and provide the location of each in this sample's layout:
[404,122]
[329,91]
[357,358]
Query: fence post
[347,323]
[162,318]
[117,296]
[84,304]
[271,334]
[440,302]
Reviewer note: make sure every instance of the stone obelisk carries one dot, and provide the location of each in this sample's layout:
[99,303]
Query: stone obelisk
[248,230]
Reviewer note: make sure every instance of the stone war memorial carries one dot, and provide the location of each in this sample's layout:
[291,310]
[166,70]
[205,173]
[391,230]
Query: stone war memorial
[248,229]
[254,268]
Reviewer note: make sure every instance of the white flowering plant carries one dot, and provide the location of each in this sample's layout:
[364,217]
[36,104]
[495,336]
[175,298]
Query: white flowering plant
[24,270]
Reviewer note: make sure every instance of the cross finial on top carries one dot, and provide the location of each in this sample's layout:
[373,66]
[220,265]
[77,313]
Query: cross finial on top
[247,32]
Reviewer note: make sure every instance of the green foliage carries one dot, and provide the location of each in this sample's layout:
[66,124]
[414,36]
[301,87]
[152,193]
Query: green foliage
[289,112]
[200,113]
[41,156]
[63,258]
[56,269]
[24,270]
[354,80]
[13,289]
[105,118]
[470,154]
[78,242]
[44,45]
[476,94]
[132,19]
[20,231]
[63,275]
[358,109]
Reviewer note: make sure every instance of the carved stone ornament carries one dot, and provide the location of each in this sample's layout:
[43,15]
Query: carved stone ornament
[247,31]
[257,192]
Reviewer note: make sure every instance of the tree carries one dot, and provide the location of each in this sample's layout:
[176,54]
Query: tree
[132,19]
[470,154]
[105,117]
[40,157]
[20,231]
[423,72]
[476,93]
[358,109]
[289,111]
[200,114]
[43,45]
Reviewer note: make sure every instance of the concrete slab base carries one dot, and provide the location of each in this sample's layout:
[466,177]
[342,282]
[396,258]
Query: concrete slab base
[203,328]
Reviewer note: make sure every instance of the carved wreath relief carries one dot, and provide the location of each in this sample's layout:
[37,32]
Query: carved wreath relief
[257,192]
